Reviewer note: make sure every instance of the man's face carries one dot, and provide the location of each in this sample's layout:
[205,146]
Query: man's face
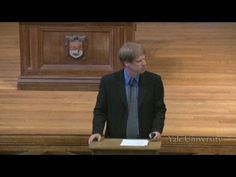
[137,66]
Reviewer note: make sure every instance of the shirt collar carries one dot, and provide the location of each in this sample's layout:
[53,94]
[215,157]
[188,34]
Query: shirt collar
[127,77]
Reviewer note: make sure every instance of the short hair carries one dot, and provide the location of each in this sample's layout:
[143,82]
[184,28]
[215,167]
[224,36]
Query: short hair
[130,51]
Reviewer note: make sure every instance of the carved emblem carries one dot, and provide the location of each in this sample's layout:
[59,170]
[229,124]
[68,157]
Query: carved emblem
[75,46]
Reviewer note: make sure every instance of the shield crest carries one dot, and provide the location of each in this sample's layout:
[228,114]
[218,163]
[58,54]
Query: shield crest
[75,46]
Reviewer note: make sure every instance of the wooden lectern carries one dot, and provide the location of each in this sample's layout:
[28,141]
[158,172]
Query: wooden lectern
[112,147]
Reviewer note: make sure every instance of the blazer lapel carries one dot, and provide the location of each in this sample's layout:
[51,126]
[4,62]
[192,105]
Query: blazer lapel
[142,89]
[121,93]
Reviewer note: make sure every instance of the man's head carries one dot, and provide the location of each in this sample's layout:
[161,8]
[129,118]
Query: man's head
[132,56]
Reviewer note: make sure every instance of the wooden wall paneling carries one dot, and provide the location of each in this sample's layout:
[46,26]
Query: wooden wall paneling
[50,68]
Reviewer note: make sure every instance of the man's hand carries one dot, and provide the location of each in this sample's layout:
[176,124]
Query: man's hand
[155,136]
[94,137]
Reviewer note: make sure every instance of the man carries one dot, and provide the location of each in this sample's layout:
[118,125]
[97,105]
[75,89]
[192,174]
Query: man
[131,101]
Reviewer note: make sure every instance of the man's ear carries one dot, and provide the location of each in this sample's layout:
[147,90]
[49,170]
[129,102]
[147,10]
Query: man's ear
[126,63]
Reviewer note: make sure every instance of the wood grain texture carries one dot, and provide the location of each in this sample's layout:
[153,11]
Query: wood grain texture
[47,65]
[197,64]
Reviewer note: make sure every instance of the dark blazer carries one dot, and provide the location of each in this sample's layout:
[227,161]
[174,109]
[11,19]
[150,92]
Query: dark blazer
[111,106]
